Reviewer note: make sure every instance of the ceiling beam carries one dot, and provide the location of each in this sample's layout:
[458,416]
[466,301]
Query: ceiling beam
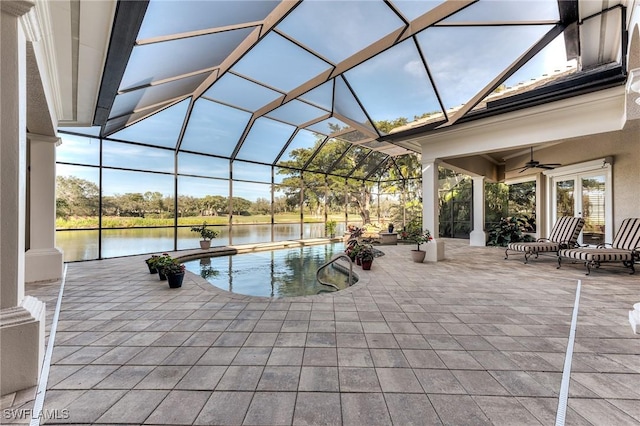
[126,24]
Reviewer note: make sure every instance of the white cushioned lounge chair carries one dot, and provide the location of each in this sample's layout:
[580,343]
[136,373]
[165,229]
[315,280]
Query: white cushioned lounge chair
[625,248]
[564,234]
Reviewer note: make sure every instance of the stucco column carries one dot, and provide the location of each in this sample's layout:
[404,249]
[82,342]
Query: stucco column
[22,319]
[478,237]
[43,260]
[431,210]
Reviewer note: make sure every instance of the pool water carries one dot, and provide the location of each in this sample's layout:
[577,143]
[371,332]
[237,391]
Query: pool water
[275,273]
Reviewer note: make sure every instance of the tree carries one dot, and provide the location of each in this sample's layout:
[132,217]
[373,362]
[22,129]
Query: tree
[76,197]
[321,189]
[241,206]
[155,203]
[261,206]
[131,204]
[213,205]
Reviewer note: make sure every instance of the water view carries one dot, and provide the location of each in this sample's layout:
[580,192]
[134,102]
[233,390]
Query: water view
[83,245]
[276,273]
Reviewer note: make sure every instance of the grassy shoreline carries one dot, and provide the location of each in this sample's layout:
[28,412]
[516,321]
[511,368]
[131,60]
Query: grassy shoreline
[141,222]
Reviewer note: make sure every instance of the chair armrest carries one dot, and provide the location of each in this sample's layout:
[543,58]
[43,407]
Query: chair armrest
[542,240]
[571,244]
[603,245]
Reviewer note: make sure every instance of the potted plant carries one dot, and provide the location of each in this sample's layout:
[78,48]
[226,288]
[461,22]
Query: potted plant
[330,228]
[206,234]
[366,255]
[353,250]
[151,264]
[390,228]
[174,270]
[159,263]
[416,235]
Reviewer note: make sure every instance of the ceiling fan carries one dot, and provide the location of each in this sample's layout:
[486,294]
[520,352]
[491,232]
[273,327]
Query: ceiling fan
[536,164]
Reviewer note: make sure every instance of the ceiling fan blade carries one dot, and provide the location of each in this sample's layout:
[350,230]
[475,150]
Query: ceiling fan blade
[525,168]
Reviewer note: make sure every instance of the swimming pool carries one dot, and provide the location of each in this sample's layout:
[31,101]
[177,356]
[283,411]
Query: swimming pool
[275,273]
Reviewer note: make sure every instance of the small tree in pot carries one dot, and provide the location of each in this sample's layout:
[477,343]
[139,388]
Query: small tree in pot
[414,233]
[206,234]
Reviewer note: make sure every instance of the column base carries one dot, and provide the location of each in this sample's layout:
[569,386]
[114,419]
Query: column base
[435,251]
[478,238]
[21,345]
[43,265]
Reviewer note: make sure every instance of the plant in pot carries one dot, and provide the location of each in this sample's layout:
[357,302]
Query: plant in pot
[330,228]
[366,256]
[390,227]
[206,234]
[354,252]
[174,271]
[416,235]
[151,264]
[159,263]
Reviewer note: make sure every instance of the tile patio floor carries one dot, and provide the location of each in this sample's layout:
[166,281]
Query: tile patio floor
[470,340]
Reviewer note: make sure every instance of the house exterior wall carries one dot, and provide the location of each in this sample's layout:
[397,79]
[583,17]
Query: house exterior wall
[623,146]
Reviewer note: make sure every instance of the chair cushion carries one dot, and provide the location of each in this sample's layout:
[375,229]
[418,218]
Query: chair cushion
[628,236]
[597,254]
[534,247]
[566,229]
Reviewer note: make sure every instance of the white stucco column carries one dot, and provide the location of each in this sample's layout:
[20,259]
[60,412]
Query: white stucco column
[541,206]
[478,237]
[22,319]
[43,259]
[431,209]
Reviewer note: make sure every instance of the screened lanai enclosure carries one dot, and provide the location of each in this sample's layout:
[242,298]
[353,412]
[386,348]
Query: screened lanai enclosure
[120,198]
[267,119]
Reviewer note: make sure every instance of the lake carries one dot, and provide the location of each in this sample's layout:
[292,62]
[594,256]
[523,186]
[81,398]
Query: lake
[83,245]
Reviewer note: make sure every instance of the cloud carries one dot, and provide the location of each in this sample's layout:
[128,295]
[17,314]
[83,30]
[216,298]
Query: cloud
[414,68]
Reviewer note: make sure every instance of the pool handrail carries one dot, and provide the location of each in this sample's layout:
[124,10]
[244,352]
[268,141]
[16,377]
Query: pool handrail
[333,259]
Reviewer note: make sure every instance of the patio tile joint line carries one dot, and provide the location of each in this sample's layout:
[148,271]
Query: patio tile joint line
[566,371]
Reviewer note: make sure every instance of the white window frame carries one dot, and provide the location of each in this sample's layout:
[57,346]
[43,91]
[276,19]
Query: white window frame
[604,165]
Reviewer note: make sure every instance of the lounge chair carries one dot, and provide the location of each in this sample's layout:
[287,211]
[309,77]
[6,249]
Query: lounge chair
[625,248]
[563,235]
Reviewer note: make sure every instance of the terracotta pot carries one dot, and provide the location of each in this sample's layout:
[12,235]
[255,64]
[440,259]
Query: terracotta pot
[418,255]
[205,244]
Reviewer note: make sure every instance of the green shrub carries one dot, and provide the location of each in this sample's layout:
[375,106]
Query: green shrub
[510,230]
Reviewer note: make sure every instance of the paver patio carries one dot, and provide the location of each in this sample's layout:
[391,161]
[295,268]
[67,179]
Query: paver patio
[473,339]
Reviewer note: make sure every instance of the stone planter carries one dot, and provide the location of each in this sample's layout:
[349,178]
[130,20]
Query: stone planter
[418,255]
